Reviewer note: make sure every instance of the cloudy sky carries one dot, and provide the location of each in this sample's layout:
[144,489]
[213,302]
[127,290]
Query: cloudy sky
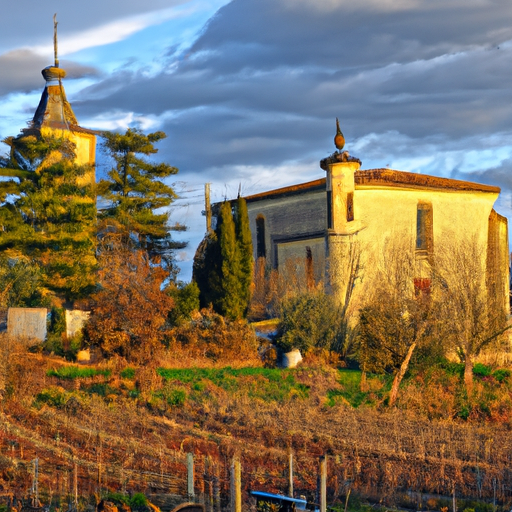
[248,90]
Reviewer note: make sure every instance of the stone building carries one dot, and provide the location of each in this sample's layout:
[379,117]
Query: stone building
[316,225]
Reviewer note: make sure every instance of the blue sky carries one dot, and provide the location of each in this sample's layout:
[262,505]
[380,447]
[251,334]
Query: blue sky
[248,90]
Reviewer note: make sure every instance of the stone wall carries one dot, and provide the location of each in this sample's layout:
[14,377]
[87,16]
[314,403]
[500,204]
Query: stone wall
[27,323]
[292,223]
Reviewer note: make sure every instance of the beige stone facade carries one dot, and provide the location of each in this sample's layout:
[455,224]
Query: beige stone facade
[319,223]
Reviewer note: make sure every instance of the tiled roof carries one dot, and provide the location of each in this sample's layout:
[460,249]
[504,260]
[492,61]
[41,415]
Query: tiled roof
[385,177]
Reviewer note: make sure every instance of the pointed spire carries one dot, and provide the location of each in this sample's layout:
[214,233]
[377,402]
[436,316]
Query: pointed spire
[55,45]
[54,109]
[339,139]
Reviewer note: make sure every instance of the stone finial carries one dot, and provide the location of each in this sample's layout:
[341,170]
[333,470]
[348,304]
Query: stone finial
[53,74]
[339,139]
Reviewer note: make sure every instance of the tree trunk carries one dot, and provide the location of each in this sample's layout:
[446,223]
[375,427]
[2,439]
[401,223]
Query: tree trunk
[400,375]
[363,385]
[468,374]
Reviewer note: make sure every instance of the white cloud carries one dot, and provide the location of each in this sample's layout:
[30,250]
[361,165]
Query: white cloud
[111,32]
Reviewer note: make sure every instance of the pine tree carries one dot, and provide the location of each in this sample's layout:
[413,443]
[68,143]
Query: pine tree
[135,192]
[48,215]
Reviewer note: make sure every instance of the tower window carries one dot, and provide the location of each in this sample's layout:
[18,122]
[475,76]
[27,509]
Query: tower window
[350,206]
[329,209]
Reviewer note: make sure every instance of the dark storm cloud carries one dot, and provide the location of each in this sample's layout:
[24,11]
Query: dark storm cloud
[346,34]
[263,118]
[30,22]
[266,78]
[18,71]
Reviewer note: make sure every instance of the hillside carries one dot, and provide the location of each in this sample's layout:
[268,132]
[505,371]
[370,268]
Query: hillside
[125,428]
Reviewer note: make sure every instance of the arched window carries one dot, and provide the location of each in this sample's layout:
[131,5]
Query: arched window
[425,228]
[261,250]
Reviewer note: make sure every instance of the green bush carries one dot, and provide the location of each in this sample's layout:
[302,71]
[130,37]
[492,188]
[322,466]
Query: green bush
[101,389]
[175,397]
[482,370]
[128,373]
[186,300]
[56,330]
[454,368]
[53,396]
[308,321]
[501,374]
[138,500]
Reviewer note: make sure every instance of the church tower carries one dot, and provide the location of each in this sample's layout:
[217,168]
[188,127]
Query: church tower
[55,116]
[343,221]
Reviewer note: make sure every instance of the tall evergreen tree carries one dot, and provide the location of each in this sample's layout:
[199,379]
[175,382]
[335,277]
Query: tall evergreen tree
[48,215]
[135,193]
[206,270]
[229,301]
[244,243]
[223,263]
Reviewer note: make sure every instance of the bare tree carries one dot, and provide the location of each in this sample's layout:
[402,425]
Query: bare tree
[398,316]
[472,315]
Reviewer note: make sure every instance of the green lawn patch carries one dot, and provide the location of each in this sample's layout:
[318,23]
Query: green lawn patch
[268,384]
[350,392]
[76,372]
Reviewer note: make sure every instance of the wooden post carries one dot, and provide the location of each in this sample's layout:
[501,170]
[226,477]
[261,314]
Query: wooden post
[201,484]
[454,501]
[75,485]
[323,483]
[208,483]
[216,487]
[35,485]
[236,485]
[207,207]
[290,474]
[190,476]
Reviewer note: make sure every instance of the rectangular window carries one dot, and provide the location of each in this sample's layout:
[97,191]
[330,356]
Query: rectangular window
[425,228]
[350,206]
[329,209]
[261,249]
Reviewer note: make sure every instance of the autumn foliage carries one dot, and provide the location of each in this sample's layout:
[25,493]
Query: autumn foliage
[130,310]
[211,336]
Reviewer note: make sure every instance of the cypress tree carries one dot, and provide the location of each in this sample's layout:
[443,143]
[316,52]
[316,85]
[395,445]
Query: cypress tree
[223,263]
[244,243]
[229,301]
[206,270]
